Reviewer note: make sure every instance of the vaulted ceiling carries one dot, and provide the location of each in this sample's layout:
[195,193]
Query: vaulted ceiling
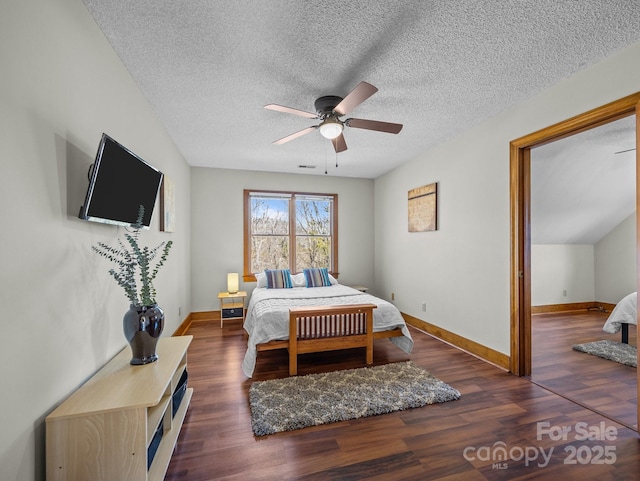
[209,67]
[583,186]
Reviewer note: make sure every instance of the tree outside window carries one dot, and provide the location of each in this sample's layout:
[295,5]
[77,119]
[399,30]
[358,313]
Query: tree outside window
[289,230]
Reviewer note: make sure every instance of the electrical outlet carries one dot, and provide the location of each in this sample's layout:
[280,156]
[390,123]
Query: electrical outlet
[424,307]
[393,296]
[179,311]
[564,293]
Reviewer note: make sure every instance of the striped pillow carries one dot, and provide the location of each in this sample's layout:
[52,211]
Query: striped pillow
[317,277]
[278,278]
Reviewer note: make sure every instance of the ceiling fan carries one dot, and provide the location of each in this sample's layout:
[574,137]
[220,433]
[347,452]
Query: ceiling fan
[623,151]
[329,109]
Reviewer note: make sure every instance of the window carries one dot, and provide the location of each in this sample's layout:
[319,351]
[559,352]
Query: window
[289,230]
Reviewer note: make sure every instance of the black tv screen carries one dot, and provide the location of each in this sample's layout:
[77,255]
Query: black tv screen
[120,182]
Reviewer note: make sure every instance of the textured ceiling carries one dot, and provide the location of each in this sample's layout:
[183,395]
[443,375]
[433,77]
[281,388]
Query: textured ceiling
[209,67]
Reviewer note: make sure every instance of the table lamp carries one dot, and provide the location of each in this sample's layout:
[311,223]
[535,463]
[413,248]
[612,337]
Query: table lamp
[232,282]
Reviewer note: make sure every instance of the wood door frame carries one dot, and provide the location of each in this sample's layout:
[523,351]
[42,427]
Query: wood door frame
[520,200]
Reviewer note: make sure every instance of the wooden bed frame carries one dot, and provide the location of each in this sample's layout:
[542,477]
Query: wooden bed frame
[329,328]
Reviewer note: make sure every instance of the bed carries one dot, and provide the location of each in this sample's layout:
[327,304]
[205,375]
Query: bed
[272,312]
[625,313]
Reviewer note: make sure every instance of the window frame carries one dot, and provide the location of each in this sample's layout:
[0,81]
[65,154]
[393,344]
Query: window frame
[249,276]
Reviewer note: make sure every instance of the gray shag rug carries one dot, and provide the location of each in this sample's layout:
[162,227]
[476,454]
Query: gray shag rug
[611,350]
[302,401]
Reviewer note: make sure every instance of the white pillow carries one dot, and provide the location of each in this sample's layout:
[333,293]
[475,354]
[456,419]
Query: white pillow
[298,280]
[261,279]
[333,280]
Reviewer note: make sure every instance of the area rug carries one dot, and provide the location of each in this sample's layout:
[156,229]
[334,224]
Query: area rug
[302,401]
[612,350]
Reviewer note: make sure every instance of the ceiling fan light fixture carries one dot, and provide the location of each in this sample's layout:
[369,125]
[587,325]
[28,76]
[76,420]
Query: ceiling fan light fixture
[329,109]
[331,128]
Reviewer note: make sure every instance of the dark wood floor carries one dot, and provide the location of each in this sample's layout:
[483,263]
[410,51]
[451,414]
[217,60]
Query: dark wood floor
[496,409]
[605,386]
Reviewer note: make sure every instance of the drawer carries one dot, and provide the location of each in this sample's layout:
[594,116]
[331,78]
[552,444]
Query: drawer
[232,312]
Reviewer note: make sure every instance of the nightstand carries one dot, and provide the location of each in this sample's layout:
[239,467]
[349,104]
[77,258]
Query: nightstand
[231,306]
[360,288]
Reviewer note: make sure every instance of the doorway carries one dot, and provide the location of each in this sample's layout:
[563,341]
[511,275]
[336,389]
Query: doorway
[583,262]
[520,193]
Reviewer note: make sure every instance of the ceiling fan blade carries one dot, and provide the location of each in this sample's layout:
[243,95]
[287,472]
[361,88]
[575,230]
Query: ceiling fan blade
[339,144]
[289,110]
[295,135]
[374,125]
[623,151]
[358,95]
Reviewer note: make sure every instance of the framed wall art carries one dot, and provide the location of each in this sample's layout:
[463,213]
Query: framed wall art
[423,208]
[167,205]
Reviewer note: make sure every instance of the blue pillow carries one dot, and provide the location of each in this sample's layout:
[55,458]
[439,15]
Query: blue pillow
[278,278]
[317,277]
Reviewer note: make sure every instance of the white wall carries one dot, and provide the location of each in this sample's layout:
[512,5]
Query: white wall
[217,226]
[604,272]
[61,86]
[615,262]
[462,270]
[562,274]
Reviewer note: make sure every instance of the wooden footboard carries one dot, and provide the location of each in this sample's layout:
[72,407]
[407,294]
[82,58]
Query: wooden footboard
[328,328]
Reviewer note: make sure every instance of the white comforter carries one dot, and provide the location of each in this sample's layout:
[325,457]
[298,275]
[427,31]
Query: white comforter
[268,315]
[626,311]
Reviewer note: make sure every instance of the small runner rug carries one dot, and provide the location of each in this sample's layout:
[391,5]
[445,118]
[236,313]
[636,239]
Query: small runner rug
[612,350]
[301,401]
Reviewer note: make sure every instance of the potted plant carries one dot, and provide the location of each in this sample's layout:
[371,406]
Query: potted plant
[137,267]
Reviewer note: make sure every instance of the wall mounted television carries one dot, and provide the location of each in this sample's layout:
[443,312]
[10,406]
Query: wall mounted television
[120,182]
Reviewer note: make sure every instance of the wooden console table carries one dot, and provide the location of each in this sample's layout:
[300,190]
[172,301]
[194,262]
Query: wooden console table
[123,423]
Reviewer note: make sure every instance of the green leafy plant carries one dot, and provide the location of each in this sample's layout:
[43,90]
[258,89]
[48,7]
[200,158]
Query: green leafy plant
[135,264]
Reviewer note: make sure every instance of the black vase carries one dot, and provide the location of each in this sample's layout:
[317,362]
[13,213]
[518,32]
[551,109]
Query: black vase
[142,328]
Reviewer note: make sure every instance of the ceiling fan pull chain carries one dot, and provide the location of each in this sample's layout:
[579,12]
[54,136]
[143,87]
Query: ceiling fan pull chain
[326,156]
